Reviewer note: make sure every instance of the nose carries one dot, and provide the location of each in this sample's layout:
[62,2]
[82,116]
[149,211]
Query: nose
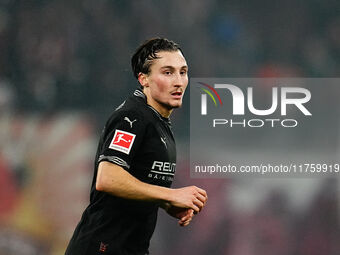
[180,80]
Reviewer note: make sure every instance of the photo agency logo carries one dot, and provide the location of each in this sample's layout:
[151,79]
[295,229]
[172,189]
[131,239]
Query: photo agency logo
[243,105]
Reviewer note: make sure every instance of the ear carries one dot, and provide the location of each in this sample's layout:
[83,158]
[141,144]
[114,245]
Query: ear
[143,79]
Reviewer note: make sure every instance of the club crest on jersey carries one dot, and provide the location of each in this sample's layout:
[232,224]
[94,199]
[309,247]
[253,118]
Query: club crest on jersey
[122,141]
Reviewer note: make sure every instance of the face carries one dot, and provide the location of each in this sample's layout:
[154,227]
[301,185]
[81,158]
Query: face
[165,85]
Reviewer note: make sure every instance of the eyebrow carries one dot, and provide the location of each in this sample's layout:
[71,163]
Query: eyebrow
[171,67]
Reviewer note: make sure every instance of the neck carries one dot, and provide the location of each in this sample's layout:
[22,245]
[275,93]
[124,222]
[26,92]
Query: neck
[161,109]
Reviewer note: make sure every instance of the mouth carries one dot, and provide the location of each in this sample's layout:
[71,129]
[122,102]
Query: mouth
[177,94]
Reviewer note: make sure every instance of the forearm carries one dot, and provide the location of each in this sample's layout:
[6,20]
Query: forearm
[114,180]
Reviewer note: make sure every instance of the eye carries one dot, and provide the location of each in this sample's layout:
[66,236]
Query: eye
[167,72]
[183,72]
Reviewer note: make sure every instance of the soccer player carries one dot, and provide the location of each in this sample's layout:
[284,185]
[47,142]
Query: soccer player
[136,160]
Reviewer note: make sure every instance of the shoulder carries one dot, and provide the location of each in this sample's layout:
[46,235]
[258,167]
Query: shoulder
[131,113]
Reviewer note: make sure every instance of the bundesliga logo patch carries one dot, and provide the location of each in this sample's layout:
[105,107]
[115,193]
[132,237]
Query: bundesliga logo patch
[122,141]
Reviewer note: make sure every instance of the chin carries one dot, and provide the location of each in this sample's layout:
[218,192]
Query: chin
[176,106]
[173,105]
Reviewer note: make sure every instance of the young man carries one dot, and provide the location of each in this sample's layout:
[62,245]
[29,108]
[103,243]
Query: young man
[136,161]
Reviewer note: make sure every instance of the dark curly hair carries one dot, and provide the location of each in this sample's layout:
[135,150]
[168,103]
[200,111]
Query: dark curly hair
[147,52]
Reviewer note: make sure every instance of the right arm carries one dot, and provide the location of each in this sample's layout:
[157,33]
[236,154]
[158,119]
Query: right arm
[114,180]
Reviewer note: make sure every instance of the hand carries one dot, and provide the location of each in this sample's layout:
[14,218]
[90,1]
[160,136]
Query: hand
[189,198]
[184,215]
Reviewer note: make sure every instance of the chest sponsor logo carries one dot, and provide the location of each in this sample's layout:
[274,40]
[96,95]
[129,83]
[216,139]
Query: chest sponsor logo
[162,171]
[122,141]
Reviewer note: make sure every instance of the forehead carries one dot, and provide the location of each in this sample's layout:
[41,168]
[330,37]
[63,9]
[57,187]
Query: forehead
[169,58]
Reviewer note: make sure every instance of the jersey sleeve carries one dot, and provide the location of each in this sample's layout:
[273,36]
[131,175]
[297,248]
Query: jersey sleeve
[123,136]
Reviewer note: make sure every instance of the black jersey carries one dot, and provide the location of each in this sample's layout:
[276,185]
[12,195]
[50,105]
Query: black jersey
[137,138]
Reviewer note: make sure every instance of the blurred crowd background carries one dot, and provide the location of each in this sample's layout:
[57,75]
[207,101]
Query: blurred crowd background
[65,65]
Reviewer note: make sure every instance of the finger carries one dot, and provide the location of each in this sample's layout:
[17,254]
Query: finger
[184,221]
[202,192]
[195,208]
[185,224]
[202,198]
[186,217]
[199,204]
[191,212]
